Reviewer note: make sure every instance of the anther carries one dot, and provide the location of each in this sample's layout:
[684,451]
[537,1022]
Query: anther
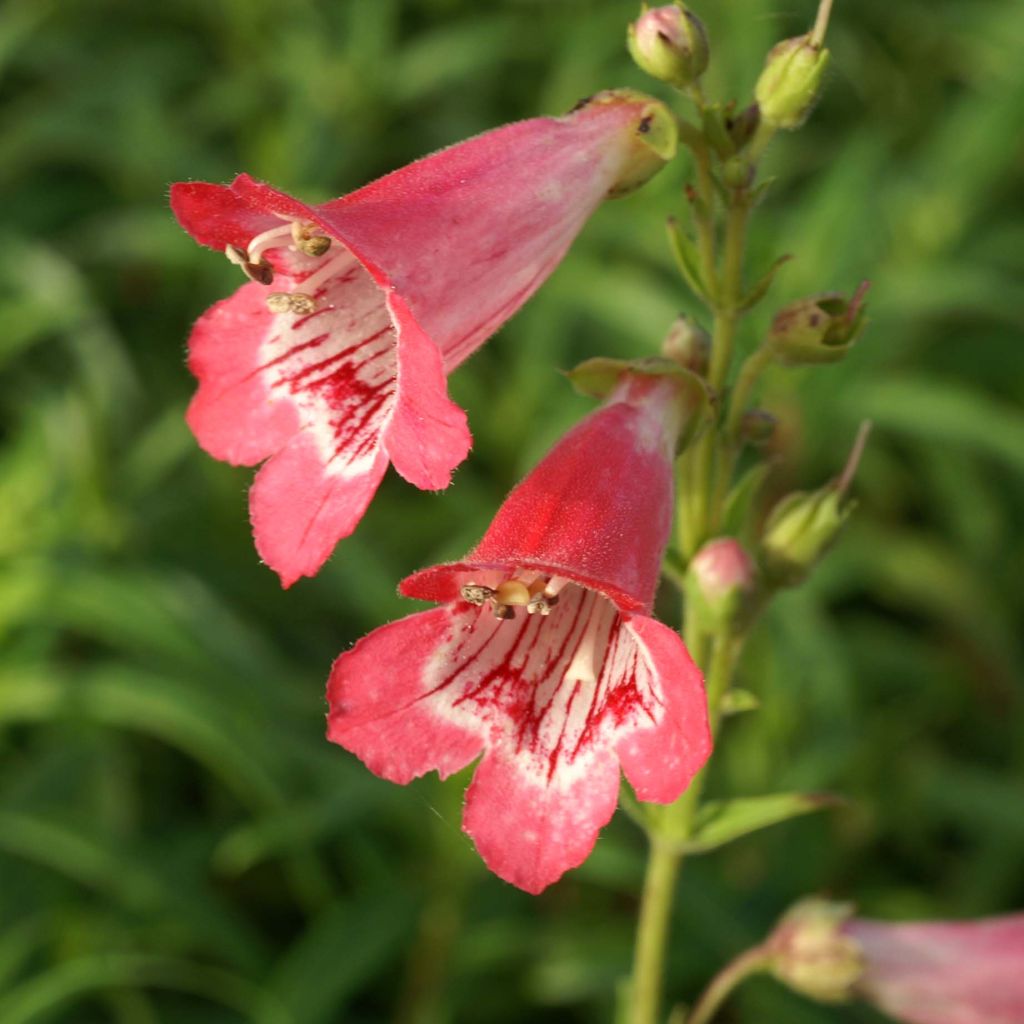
[512,592]
[261,272]
[475,593]
[308,241]
[290,302]
[503,611]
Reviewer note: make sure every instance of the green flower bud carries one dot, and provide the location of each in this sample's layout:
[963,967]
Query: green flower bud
[804,525]
[790,83]
[721,583]
[818,329]
[670,44]
[810,952]
[688,344]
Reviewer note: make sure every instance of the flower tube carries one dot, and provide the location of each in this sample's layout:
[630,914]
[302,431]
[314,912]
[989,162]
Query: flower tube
[542,654]
[944,972]
[920,972]
[332,361]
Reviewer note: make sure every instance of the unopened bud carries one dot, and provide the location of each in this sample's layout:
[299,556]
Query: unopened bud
[670,44]
[688,344]
[811,953]
[804,525]
[721,583]
[790,83]
[818,329]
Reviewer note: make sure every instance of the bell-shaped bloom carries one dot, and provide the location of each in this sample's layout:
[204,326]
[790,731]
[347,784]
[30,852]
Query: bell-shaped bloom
[944,972]
[542,654]
[332,361]
[938,972]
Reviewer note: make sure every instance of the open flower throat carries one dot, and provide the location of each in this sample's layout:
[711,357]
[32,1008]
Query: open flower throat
[292,237]
[532,591]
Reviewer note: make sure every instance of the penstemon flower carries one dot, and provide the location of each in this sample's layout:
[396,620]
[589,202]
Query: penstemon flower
[921,972]
[542,654]
[332,361]
[944,972]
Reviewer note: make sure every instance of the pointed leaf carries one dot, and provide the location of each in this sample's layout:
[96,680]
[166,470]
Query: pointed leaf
[687,260]
[736,701]
[721,821]
[758,292]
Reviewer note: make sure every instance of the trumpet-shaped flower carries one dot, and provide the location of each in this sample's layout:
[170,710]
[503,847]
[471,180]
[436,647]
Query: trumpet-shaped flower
[332,360]
[542,654]
[944,972]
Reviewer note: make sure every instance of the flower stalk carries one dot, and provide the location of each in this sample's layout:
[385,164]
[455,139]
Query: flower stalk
[722,198]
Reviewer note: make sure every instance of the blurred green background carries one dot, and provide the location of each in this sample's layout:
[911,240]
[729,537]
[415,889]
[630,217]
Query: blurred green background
[178,842]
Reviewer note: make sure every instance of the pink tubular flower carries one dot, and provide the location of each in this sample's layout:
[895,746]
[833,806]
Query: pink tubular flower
[332,361]
[941,972]
[944,972]
[543,655]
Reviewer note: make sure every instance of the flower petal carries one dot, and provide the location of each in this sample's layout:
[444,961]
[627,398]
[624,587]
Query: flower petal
[531,829]
[380,708]
[427,436]
[236,415]
[945,972]
[660,758]
[217,215]
[302,503]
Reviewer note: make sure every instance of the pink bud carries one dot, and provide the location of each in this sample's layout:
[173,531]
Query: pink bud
[670,44]
[722,580]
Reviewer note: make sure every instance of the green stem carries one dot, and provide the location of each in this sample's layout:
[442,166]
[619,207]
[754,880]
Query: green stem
[753,366]
[674,824]
[724,982]
[727,312]
[652,932]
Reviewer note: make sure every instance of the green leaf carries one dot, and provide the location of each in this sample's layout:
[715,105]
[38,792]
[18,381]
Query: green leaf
[721,821]
[687,260]
[736,701]
[758,292]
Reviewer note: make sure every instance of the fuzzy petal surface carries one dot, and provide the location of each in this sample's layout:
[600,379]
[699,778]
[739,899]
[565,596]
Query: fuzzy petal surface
[557,701]
[967,972]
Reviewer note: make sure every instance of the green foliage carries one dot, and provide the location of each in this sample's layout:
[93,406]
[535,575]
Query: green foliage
[178,843]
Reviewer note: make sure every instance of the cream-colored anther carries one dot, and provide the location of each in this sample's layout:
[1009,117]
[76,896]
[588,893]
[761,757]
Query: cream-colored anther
[476,593]
[290,302]
[503,611]
[308,240]
[541,605]
[512,592]
[261,272]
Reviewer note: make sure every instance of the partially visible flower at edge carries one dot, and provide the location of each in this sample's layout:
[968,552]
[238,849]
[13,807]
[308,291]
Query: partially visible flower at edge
[543,655]
[944,972]
[332,361]
[921,972]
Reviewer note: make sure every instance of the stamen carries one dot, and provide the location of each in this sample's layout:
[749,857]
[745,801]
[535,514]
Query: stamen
[555,585]
[583,667]
[476,593]
[291,302]
[271,239]
[513,592]
[259,271]
[308,240]
[504,611]
[331,267]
